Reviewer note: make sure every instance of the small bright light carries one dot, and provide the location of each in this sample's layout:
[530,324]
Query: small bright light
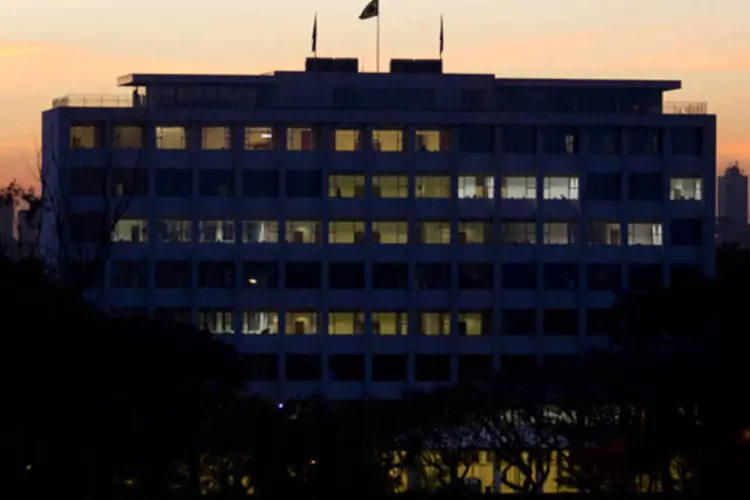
[266,135]
[280,406]
[252,281]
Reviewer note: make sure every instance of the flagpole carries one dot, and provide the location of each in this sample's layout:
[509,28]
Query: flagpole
[377,41]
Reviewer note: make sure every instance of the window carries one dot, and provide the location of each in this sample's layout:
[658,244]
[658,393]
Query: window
[432,276]
[561,140]
[390,323]
[260,367]
[476,139]
[347,139]
[89,227]
[561,188]
[687,140]
[346,232]
[129,274]
[519,233]
[130,231]
[302,323]
[87,181]
[260,184]
[84,137]
[216,138]
[433,186]
[129,182]
[605,233]
[301,139]
[260,275]
[431,141]
[128,137]
[474,324]
[519,188]
[346,275]
[645,141]
[603,187]
[173,231]
[216,231]
[303,367]
[216,275]
[560,276]
[474,232]
[303,231]
[260,231]
[171,138]
[561,322]
[435,323]
[559,233]
[640,233]
[432,368]
[390,186]
[303,275]
[477,187]
[519,276]
[686,189]
[173,274]
[473,368]
[346,367]
[174,314]
[436,233]
[390,232]
[385,140]
[216,320]
[346,323]
[519,139]
[475,276]
[602,321]
[218,183]
[390,276]
[258,138]
[519,322]
[604,140]
[686,232]
[260,323]
[304,184]
[646,187]
[174,182]
[346,186]
[604,277]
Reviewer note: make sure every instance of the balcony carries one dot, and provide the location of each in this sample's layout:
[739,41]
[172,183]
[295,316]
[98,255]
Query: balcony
[93,101]
[684,108]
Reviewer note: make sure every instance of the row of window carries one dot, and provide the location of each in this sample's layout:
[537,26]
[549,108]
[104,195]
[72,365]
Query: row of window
[470,138]
[684,232]
[91,181]
[306,275]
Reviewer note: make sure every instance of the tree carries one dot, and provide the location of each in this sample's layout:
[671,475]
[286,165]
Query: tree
[24,206]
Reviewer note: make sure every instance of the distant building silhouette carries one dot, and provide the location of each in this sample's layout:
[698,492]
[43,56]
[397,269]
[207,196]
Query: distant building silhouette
[732,224]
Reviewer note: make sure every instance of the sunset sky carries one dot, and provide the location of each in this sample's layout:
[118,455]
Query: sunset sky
[50,48]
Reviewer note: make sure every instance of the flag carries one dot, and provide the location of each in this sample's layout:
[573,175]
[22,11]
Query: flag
[442,36]
[370,11]
[315,35]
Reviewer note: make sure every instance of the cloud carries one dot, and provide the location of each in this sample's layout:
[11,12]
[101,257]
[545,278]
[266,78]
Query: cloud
[20,49]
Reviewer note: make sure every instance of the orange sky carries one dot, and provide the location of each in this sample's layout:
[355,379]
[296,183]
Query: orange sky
[50,48]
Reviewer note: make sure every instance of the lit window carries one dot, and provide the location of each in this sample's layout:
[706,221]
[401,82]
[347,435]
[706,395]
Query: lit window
[84,137]
[559,233]
[561,188]
[433,186]
[346,323]
[640,233]
[346,186]
[346,232]
[173,231]
[260,231]
[472,324]
[436,323]
[390,186]
[216,231]
[390,323]
[686,189]
[171,138]
[216,138]
[519,233]
[347,139]
[390,232]
[605,233]
[302,231]
[260,323]
[300,139]
[519,188]
[479,186]
[302,323]
[128,137]
[217,321]
[386,140]
[436,233]
[474,232]
[431,141]
[258,138]
[130,231]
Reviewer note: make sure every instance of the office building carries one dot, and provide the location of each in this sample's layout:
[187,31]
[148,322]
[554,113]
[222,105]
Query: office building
[733,206]
[370,233]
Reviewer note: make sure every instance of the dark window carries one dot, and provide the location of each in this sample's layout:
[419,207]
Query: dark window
[303,367]
[646,187]
[219,183]
[435,276]
[304,184]
[303,275]
[432,368]
[597,101]
[390,276]
[561,322]
[686,276]
[173,274]
[474,368]
[604,140]
[346,275]
[645,277]
[390,368]
[260,367]
[519,276]
[640,101]
[475,276]
[260,184]
[176,183]
[551,100]
[473,100]
[519,139]
[173,314]
[602,321]
[347,367]
[604,277]
[129,313]
[645,141]
[475,139]
[90,227]
[87,181]
[686,140]
[517,364]
[510,100]
[561,276]
[603,187]
[561,140]
[216,275]
[129,182]
[686,232]
[519,322]
[129,274]
[261,275]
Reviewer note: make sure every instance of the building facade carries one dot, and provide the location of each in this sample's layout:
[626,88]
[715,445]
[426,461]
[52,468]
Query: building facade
[733,207]
[370,233]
